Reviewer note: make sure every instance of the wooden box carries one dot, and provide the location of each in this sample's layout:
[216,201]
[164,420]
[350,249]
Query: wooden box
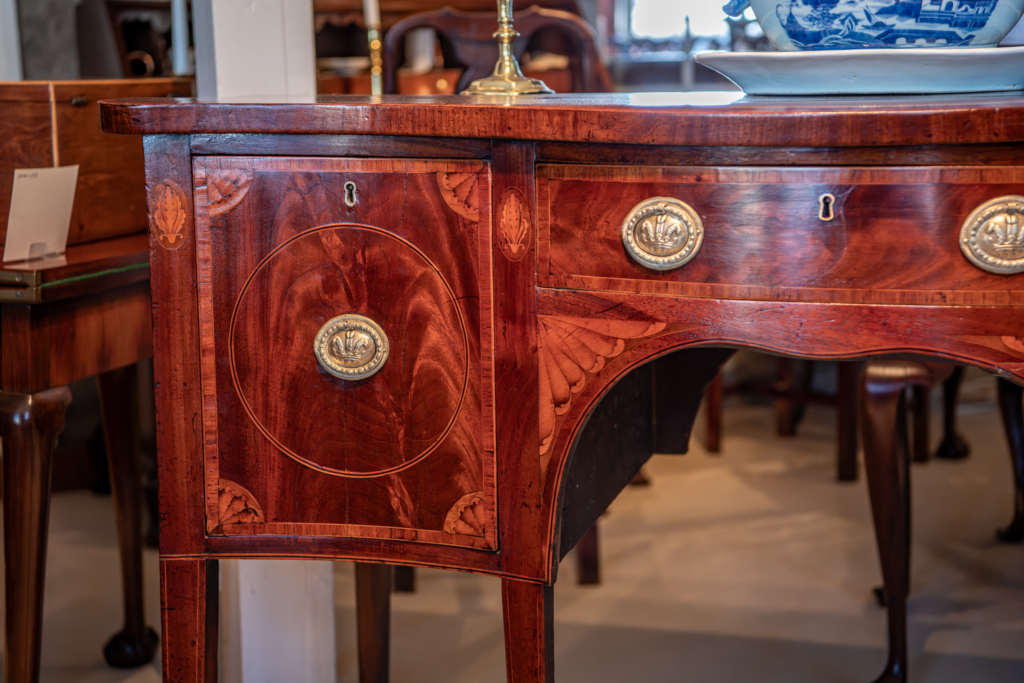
[57,123]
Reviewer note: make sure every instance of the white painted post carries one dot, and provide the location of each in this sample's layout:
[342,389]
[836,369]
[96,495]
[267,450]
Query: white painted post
[10,42]
[277,616]
[254,49]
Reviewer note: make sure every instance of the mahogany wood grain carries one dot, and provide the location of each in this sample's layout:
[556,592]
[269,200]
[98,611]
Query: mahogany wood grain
[176,364]
[1011,154]
[29,425]
[1011,405]
[136,643]
[189,599]
[516,375]
[410,444]
[645,119]
[373,617]
[87,259]
[341,146]
[528,609]
[894,229]
[26,140]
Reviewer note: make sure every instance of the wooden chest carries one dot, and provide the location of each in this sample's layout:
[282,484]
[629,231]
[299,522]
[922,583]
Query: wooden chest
[45,124]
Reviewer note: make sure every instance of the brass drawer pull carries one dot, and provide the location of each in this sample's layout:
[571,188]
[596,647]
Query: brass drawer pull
[351,346]
[662,233]
[992,237]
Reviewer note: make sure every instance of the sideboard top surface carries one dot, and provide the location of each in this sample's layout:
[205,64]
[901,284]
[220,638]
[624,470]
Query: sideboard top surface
[708,118]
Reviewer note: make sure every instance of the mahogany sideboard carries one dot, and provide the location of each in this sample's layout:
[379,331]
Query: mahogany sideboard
[381,324]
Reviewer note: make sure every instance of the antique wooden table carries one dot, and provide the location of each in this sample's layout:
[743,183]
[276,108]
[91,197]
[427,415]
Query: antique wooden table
[381,324]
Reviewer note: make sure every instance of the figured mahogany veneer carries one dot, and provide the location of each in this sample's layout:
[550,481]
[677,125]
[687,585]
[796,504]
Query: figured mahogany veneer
[894,237]
[290,448]
[486,242]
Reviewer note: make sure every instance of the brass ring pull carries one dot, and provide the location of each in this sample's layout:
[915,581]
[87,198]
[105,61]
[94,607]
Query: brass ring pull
[351,347]
[992,237]
[662,233]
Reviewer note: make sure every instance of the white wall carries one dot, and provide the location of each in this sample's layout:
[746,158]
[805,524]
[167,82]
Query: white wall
[254,49]
[10,42]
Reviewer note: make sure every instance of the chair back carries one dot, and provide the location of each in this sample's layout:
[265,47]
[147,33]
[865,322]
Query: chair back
[470,36]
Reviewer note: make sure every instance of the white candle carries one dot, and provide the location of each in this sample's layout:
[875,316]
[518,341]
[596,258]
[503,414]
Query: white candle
[371,13]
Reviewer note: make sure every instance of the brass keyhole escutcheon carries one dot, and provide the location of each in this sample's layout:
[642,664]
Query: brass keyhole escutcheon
[662,233]
[350,194]
[826,207]
[351,347]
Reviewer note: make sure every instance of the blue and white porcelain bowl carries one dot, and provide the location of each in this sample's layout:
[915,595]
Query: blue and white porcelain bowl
[858,24]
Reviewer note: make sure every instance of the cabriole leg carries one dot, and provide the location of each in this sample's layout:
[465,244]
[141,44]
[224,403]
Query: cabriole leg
[136,643]
[886,467]
[1010,405]
[29,425]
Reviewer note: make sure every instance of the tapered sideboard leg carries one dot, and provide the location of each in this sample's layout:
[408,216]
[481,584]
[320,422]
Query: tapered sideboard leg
[373,617]
[189,597]
[1011,405]
[847,410]
[588,558]
[886,466]
[29,425]
[529,631]
[136,643]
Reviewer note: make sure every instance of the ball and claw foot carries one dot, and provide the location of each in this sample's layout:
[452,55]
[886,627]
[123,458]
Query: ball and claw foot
[123,652]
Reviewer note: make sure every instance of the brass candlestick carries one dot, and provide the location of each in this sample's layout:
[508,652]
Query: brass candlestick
[507,79]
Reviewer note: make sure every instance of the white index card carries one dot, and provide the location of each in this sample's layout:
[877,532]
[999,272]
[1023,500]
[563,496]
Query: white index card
[41,203]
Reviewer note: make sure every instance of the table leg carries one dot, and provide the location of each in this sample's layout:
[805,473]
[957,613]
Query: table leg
[713,406]
[405,579]
[588,559]
[921,398]
[847,409]
[189,612]
[952,446]
[29,425]
[886,465]
[529,631]
[373,617]
[1011,405]
[136,643]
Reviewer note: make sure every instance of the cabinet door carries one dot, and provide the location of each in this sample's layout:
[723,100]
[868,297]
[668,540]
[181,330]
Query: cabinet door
[345,327]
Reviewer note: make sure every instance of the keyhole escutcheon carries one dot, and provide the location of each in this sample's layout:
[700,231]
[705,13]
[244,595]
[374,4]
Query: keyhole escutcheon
[350,194]
[826,207]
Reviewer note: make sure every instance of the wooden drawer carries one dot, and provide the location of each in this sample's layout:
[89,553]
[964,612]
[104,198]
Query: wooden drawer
[284,245]
[895,232]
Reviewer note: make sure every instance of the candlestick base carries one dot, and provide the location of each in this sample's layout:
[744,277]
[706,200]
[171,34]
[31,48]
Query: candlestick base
[507,84]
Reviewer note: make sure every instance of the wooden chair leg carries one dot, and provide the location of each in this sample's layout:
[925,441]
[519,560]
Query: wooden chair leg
[921,400]
[1011,405]
[373,617]
[887,468]
[189,614]
[847,410]
[952,446]
[588,562]
[29,425]
[791,374]
[405,579]
[136,643]
[713,406]
[529,632]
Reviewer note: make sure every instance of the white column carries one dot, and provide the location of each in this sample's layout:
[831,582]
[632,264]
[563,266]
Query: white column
[254,49]
[277,616]
[10,42]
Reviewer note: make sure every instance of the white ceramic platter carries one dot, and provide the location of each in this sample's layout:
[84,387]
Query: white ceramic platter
[868,72]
